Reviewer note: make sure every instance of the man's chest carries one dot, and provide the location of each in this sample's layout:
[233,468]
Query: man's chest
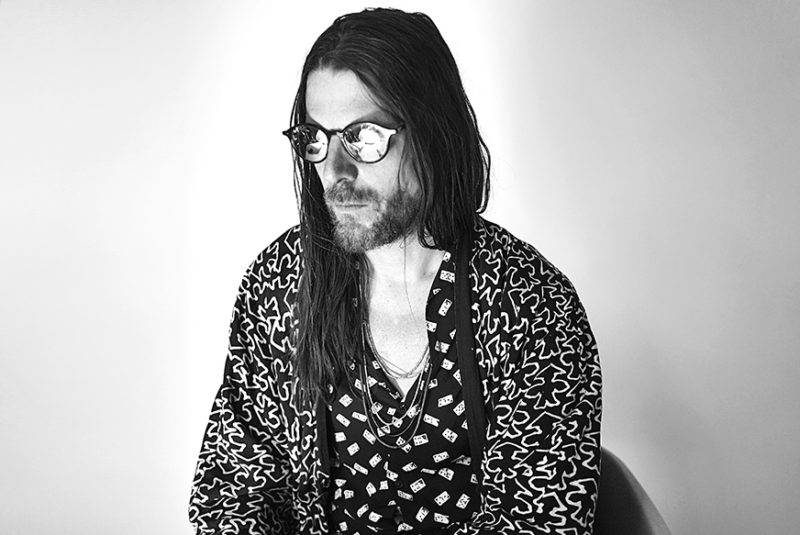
[401,343]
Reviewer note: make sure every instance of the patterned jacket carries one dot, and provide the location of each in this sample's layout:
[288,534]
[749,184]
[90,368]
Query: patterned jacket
[260,470]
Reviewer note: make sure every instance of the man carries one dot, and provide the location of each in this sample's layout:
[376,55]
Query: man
[397,363]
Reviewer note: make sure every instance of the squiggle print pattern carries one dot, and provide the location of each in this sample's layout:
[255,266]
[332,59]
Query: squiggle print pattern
[259,470]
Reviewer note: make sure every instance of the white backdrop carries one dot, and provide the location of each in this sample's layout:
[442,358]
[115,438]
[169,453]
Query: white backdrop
[649,149]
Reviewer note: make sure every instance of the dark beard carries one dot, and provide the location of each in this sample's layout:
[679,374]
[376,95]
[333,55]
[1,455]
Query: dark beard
[398,220]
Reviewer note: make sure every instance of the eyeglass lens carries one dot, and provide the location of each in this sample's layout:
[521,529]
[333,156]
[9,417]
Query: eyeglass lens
[365,142]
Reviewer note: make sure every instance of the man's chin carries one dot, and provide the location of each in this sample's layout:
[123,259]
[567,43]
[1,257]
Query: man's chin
[355,237]
[360,231]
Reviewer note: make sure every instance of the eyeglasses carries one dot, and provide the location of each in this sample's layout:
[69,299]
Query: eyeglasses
[364,142]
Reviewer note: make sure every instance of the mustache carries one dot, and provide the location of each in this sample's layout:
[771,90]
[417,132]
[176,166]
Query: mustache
[345,193]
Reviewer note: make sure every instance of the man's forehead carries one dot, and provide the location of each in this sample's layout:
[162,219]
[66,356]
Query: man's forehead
[338,98]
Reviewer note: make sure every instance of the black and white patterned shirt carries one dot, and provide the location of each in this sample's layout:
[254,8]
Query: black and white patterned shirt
[261,468]
[423,482]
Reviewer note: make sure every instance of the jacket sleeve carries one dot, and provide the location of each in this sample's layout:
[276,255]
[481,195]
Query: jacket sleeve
[541,463]
[240,485]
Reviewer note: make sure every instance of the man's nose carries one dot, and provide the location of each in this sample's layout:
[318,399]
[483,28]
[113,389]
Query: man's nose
[338,165]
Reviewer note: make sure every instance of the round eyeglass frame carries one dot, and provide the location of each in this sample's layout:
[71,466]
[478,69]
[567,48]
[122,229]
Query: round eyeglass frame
[340,134]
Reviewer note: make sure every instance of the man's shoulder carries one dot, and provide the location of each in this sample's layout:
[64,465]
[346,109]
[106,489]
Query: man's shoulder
[517,266]
[500,245]
[281,259]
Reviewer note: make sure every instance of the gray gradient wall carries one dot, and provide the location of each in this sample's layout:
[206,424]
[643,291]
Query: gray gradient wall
[649,149]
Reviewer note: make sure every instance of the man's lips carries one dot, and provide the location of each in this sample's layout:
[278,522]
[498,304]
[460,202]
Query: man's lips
[344,196]
[348,205]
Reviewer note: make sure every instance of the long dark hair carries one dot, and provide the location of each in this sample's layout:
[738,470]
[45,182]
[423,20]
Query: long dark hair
[403,60]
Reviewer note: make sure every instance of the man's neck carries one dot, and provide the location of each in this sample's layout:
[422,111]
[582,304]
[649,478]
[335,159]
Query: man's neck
[404,261]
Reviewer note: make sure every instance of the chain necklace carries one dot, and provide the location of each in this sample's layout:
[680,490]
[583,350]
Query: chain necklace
[378,426]
[414,406]
[391,369]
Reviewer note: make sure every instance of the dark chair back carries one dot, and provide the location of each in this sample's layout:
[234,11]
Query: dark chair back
[623,507]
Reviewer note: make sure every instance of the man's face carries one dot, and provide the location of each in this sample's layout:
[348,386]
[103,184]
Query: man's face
[371,204]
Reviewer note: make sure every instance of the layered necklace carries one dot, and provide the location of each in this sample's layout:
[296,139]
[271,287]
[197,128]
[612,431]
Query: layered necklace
[389,368]
[398,431]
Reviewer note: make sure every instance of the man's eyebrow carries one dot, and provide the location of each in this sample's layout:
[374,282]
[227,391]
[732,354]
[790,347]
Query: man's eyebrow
[380,117]
[311,120]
